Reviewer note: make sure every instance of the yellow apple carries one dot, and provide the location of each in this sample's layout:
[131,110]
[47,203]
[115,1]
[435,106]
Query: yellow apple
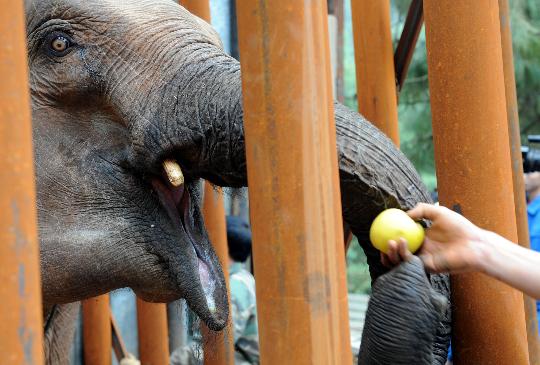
[393,224]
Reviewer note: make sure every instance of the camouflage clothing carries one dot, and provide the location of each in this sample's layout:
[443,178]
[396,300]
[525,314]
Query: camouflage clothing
[244,315]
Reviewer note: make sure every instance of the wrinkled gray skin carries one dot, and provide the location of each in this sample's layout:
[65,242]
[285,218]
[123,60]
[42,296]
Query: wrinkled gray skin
[402,318]
[143,81]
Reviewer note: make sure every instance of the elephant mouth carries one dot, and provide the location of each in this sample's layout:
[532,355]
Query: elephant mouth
[202,283]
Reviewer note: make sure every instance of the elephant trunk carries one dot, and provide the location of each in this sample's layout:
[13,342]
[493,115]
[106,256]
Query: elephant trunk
[216,105]
[190,111]
[402,317]
[375,175]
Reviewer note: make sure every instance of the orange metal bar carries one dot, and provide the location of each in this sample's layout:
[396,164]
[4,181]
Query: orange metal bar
[517,170]
[474,170]
[375,73]
[153,334]
[218,346]
[293,181]
[97,340]
[201,8]
[21,337]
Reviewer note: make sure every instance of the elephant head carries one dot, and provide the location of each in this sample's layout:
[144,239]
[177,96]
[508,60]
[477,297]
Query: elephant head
[118,88]
[133,103]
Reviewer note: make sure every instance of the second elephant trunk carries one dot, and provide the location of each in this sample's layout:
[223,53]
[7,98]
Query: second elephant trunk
[375,175]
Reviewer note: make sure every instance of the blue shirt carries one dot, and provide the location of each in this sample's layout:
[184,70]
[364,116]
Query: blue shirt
[533,215]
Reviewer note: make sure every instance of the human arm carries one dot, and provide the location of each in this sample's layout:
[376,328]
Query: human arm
[454,244]
[512,264]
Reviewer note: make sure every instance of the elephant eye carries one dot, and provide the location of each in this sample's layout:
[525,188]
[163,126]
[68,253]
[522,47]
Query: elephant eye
[59,44]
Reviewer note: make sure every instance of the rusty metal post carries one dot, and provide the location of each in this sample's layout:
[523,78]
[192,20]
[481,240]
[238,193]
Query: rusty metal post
[201,8]
[152,330]
[97,337]
[336,14]
[294,189]
[517,170]
[474,170]
[218,346]
[21,337]
[375,73]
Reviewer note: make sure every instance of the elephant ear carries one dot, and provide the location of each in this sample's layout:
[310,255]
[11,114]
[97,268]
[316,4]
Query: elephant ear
[403,314]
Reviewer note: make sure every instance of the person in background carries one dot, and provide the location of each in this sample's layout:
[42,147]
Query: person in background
[242,286]
[532,188]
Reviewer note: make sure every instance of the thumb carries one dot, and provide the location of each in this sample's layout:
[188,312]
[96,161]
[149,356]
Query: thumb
[423,211]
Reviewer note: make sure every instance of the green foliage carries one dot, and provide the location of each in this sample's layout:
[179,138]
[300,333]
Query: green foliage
[414,113]
[349,71]
[525,23]
[358,279]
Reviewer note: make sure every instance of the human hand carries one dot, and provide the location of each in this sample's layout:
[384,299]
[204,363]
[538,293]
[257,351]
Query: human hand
[452,243]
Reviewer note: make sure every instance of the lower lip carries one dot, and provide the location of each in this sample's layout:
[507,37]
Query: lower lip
[208,285]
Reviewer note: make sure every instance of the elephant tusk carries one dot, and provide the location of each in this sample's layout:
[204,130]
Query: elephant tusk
[174,172]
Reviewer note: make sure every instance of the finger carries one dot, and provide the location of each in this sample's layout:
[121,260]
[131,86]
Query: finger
[403,250]
[392,253]
[424,211]
[385,261]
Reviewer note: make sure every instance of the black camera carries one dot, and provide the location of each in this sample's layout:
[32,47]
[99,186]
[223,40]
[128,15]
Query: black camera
[531,155]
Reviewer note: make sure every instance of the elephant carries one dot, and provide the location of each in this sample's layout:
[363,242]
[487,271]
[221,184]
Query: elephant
[133,103]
